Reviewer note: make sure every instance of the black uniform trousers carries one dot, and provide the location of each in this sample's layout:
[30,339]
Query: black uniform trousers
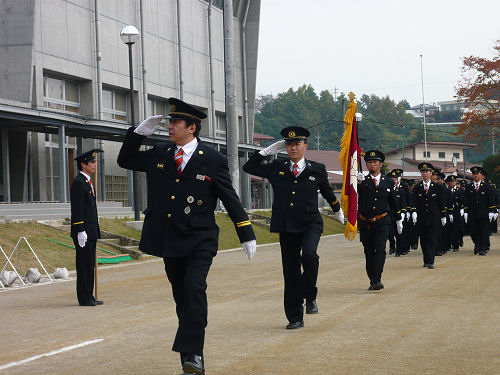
[429,237]
[299,285]
[188,277]
[85,266]
[480,233]
[374,241]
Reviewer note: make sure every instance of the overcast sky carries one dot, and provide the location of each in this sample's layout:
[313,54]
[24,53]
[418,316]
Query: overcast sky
[373,46]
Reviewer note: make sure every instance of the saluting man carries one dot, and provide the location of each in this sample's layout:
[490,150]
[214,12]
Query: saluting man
[376,203]
[85,226]
[479,210]
[431,213]
[184,180]
[295,217]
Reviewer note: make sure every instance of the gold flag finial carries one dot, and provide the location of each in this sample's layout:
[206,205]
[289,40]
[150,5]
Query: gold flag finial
[351,96]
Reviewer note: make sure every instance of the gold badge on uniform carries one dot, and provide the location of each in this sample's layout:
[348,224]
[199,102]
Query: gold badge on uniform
[424,166]
[172,108]
[160,165]
[282,173]
[190,199]
[291,134]
[312,178]
[200,152]
[372,153]
[200,202]
[187,210]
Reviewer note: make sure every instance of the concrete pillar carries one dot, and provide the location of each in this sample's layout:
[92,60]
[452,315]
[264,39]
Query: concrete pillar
[5,165]
[63,165]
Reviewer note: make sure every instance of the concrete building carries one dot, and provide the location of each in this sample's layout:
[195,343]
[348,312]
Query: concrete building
[64,84]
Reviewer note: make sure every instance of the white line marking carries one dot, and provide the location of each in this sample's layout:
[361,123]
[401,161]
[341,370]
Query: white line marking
[17,363]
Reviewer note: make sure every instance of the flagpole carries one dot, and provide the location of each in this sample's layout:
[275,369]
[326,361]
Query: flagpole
[423,105]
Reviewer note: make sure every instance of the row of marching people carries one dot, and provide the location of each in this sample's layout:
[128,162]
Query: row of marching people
[443,210]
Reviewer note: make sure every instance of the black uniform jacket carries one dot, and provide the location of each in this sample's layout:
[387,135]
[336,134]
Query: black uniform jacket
[479,203]
[179,218]
[431,206]
[295,205]
[83,209]
[457,197]
[402,199]
[375,201]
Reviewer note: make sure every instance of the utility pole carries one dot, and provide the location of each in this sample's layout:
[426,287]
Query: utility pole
[403,157]
[232,135]
[423,106]
[335,92]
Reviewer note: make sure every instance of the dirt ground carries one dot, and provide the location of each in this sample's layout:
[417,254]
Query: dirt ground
[441,321]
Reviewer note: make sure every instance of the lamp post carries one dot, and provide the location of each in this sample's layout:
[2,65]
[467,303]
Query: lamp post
[129,35]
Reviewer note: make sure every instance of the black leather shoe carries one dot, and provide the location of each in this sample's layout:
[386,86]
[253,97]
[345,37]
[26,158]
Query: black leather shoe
[482,253]
[371,286]
[430,266]
[311,307]
[392,251]
[295,325]
[397,255]
[193,364]
[378,286]
[455,250]
[90,303]
[439,253]
[99,302]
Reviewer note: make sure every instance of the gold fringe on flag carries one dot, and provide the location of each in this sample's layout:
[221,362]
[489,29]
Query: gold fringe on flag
[350,230]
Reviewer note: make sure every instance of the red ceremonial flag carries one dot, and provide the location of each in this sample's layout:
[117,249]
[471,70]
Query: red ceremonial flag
[349,156]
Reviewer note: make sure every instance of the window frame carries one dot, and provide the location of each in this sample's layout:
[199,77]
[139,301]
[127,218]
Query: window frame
[63,102]
[114,112]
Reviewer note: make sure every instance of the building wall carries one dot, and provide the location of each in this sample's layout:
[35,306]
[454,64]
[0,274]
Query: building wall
[57,38]
[417,153]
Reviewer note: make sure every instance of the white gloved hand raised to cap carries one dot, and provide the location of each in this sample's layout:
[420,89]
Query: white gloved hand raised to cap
[273,149]
[149,126]
[249,248]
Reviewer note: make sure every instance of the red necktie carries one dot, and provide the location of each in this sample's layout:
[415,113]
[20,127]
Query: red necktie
[426,188]
[375,182]
[92,187]
[477,187]
[178,160]
[295,171]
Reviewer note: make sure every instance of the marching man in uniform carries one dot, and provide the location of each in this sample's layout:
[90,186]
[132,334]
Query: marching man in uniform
[431,213]
[184,180]
[376,202]
[295,217]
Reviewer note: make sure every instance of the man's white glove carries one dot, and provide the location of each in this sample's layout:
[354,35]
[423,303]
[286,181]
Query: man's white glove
[491,216]
[443,221]
[273,149]
[403,215]
[82,238]
[360,177]
[414,217]
[408,216]
[249,248]
[466,215]
[339,216]
[451,218]
[495,216]
[149,126]
[461,212]
[399,226]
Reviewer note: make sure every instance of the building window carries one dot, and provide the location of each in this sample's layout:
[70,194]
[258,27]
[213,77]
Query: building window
[114,105]
[117,189]
[441,155]
[220,126]
[456,155]
[157,107]
[61,94]
[428,154]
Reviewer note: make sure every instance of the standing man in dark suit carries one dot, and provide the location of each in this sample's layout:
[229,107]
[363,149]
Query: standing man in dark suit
[455,212]
[431,213]
[376,203]
[184,180]
[295,217]
[85,226]
[479,210]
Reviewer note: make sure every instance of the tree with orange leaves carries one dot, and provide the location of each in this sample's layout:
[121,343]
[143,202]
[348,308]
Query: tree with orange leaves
[480,91]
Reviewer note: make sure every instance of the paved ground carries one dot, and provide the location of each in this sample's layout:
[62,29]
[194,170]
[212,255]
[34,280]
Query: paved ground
[441,321]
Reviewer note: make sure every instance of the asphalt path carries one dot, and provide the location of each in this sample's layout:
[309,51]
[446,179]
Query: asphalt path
[441,321]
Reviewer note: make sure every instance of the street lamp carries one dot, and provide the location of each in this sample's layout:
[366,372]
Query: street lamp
[129,35]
